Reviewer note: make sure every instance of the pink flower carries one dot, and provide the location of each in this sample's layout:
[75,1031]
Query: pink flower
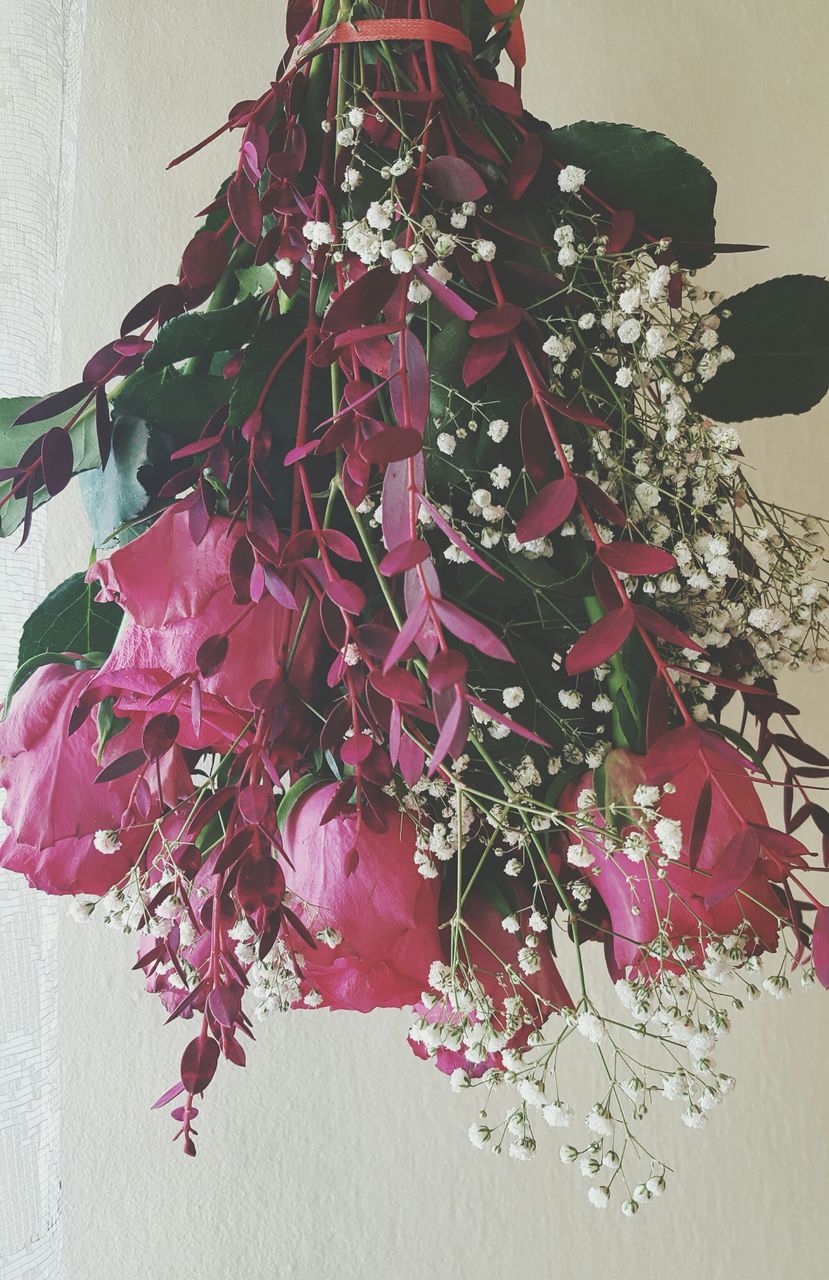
[542,992]
[53,805]
[638,901]
[177,594]
[383,918]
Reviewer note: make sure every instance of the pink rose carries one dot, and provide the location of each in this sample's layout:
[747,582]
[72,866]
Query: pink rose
[177,594]
[53,805]
[385,913]
[637,900]
[542,992]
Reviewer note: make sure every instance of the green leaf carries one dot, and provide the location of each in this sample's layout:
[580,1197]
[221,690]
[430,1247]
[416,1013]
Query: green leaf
[70,621]
[779,333]
[109,725]
[670,191]
[291,796]
[14,441]
[202,333]
[174,402]
[256,280]
[114,496]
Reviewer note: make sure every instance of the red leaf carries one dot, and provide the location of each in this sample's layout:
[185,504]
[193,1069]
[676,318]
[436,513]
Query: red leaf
[124,764]
[277,588]
[507,721]
[357,305]
[820,946]
[656,625]
[51,406]
[548,510]
[497,321]
[602,640]
[356,749]
[204,260]
[211,654]
[447,733]
[346,594]
[455,538]
[621,229]
[572,411]
[223,1003]
[484,356]
[600,502]
[403,557]
[198,1064]
[525,165]
[636,558]
[103,425]
[735,866]
[407,635]
[410,399]
[255,803]
[537,449]
[395,444]
[446,296]
[245,209]
[471,631]
[455,179]
[447,668]
[159,735]
[57,460]
[702,815]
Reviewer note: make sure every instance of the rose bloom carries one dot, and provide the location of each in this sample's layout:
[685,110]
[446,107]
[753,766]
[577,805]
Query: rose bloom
[542,993]
[385,913]
[53,805]
[177,594]
[637,900]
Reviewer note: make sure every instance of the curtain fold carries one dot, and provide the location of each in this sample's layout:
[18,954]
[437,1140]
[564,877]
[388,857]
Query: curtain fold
[40,58]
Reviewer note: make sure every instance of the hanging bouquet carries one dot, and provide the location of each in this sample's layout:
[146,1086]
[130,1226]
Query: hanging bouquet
[428,653]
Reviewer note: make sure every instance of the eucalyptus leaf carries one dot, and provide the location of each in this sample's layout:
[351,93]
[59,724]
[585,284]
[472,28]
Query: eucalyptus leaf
[670,192]
[779,333]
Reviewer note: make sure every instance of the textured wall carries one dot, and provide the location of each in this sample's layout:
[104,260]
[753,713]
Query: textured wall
[336,1153]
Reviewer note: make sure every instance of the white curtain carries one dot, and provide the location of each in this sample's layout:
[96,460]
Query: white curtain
[40,47]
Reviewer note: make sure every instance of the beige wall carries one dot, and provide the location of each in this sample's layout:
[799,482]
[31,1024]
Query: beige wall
[336,1153]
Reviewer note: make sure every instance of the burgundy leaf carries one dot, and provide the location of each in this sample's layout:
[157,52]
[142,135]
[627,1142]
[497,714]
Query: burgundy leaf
[123,765]
[223,1003]
[735,866]
[600,642]
[103,425]
[52,406]
[446,669]
[548,510]
[204,260]
[56,459]
[255,803]
[245,208]
[198,1063]
[447,297]
[395,444]
[410,382]
[164,299]
[572,411]
[471,631]
[621,229]
[636,558]
[537,449]
[277,588]
[699,828]
[172,1093]
[455,538]
[398,686]
[484,356]
[497,321]
[347,595]
[404,556]
[159,735]
[656,625]
[525,165]
[407,635]
[211,654]
[455,179]
[820,946]
[356,749]
[599,502]
[357,305]
[447,733]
